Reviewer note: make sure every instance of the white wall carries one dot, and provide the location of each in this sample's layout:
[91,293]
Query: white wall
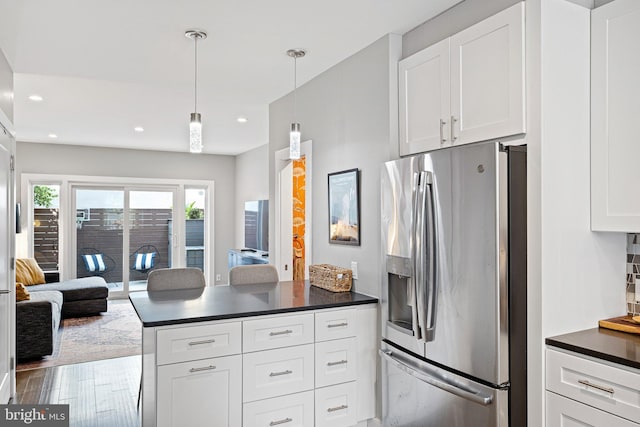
[79,160]
[6,92]
[451,21]
[252,183]
[347,112]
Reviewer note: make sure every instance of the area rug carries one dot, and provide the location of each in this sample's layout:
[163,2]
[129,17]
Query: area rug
[116,333]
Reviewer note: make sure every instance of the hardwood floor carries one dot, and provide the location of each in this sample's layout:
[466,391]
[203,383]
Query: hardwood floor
[103,393]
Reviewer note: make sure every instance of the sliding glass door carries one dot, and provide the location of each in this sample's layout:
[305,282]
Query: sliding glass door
[150,219]
[122,234]
[99,234]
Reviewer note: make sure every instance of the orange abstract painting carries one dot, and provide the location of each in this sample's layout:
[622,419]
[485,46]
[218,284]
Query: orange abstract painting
[299,183]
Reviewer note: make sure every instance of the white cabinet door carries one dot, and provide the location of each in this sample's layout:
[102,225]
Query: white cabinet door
[424,99]
[615,67]
[201,393]
[488,78]
[336,362]
[563,412]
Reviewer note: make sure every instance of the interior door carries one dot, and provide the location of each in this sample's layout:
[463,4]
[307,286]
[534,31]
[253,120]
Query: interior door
[285,267]
[6,282]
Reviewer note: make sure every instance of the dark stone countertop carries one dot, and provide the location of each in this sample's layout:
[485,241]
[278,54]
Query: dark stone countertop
[613,346]
[159,308]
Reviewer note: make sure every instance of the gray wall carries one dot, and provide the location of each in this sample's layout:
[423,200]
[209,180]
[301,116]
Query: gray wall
[94,161]
[6,87]
[347,112]
[252,183]
[450,22]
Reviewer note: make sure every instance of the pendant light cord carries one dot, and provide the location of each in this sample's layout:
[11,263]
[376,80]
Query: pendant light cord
[195,74]
[295,85]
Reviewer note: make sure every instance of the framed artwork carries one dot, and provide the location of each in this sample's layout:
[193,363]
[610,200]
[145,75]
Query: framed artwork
[344,207]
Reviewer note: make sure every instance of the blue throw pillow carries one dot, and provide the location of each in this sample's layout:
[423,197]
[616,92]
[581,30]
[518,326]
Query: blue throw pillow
[94,263]
[145,261]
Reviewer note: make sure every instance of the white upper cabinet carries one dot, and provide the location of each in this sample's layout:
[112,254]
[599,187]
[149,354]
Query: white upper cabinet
[467,88]
[424,99]
[615,91]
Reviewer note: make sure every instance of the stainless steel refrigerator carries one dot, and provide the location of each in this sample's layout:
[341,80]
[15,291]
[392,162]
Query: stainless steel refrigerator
[454,288]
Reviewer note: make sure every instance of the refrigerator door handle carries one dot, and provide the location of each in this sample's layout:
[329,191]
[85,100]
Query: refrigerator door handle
[412,287]
[419,258]
[430,280]
[440,383]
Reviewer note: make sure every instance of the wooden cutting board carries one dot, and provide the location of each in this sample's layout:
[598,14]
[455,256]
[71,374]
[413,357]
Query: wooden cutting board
[622,323]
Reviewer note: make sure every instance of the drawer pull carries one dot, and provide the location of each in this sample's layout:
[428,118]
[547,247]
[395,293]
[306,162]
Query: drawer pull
[277,423]
[202,342]
[596,386]
[277,374]
[204,368]
[340,362]
[285,332]
[337,325]
[337,408]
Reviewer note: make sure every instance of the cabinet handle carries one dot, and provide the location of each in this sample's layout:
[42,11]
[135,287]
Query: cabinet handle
[277,423]
[340,362]
[202,342]
[599,387]
[337,408]
[442,138]
[204,368]
[3,291]
[277,374]
[453,136]
[285,332]
[337,325]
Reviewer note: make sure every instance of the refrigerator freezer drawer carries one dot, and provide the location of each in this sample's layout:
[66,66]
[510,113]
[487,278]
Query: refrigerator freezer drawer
[418,394]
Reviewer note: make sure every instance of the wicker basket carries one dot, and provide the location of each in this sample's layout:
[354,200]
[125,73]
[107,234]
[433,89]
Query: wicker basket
[330,277]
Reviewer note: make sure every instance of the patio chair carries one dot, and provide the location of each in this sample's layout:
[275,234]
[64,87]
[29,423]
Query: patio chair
[96,262]
[144,259]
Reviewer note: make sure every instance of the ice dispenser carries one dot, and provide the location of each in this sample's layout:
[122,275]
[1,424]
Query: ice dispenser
[400,291]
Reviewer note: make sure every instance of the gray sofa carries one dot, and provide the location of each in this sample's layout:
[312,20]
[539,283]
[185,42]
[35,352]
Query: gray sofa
[38,319]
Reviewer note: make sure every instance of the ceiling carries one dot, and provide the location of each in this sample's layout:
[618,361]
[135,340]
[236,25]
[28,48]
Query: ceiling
[105,67]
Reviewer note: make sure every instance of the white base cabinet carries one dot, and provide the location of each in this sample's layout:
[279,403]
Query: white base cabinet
[467,88]
[317,368]
[582,391]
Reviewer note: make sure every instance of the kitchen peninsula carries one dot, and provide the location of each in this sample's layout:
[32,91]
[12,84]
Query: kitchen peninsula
[257,355]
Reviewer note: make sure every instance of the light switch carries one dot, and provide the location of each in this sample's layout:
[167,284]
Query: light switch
[354,269]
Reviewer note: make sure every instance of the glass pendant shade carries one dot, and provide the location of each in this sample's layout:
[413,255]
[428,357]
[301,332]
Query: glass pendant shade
[294,141]
[195,133]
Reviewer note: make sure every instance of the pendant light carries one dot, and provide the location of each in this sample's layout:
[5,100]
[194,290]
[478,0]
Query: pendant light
[294,134]
[195,121]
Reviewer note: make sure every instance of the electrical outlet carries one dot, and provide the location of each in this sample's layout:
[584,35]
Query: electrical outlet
[218,277]
[354,269]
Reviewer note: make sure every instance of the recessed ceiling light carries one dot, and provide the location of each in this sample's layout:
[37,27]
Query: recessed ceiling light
[36,98]
[53,136]
[242,120]
[138,129]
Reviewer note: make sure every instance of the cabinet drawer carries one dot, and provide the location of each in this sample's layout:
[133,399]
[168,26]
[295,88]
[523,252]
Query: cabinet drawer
[294,410]
[563,412]
[276,332]
[335,362]
[336,405]
[331,325]
[277,372]
[198,342]
[612,389]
